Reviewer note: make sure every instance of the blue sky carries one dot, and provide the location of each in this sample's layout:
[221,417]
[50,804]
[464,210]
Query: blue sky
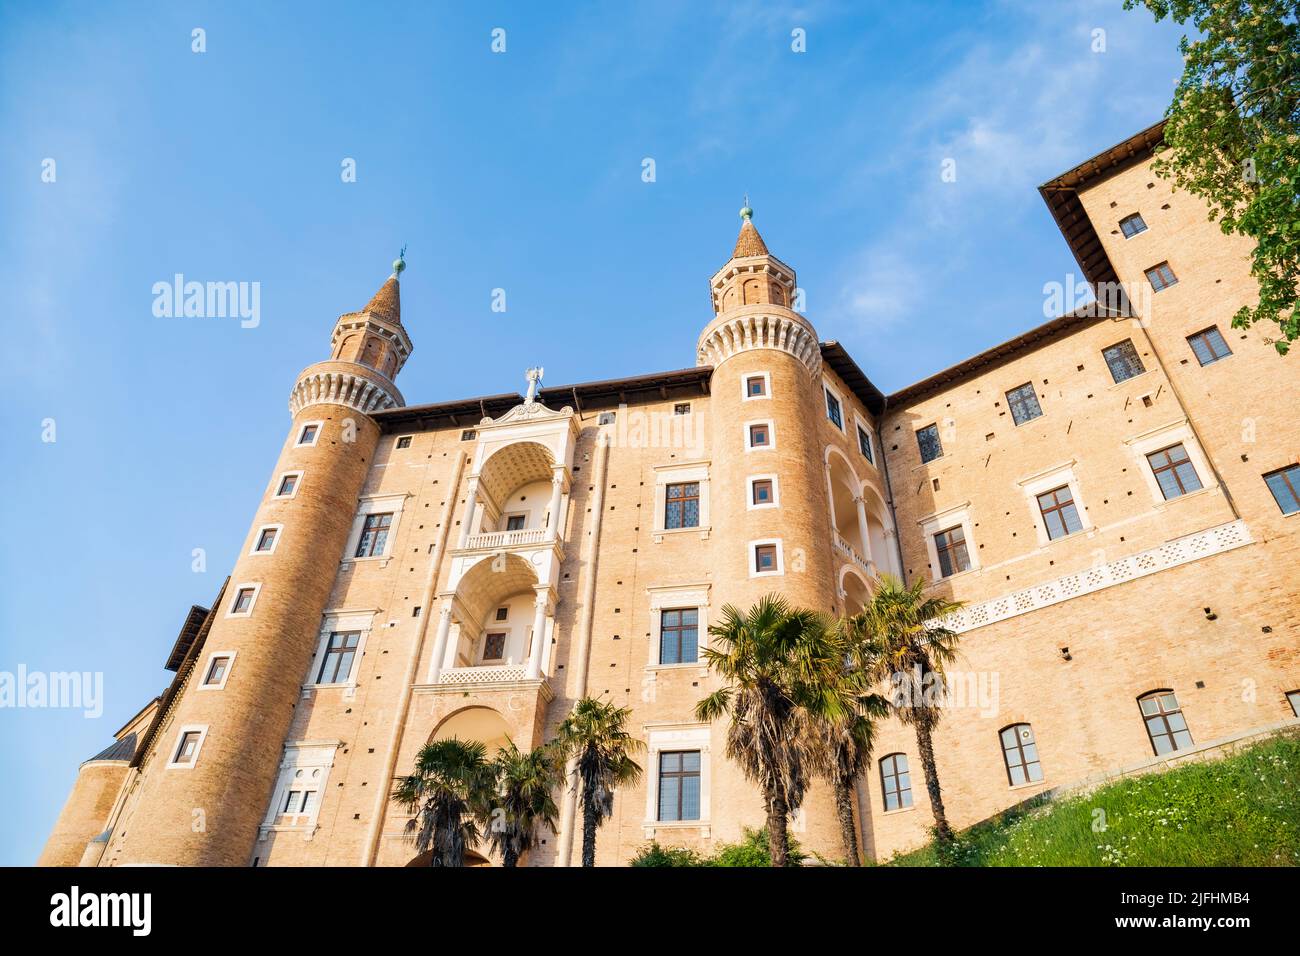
[519,170]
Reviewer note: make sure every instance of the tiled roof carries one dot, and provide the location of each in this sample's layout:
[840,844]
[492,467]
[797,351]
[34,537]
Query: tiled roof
[122,749]
[387,302]
[749,242]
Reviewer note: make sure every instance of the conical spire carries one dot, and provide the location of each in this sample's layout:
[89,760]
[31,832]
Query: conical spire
[387,302]
[749,242]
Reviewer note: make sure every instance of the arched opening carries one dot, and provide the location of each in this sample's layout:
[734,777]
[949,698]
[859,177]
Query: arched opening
[856,589]
[515,489]
[494,614]
[844,490]
[880,533]
[481,724]
[471,859]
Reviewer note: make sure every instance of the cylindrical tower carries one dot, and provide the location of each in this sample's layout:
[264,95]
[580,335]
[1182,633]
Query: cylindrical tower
[769,501]
[85,814]
[214,762]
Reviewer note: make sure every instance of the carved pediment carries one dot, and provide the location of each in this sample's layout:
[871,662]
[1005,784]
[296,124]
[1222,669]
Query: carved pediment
[528,412]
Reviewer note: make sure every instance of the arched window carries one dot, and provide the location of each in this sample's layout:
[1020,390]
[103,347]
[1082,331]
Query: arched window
[895,781]
[1020,753]
[1164,722]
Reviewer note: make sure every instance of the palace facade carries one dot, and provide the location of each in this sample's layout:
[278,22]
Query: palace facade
[1113,495]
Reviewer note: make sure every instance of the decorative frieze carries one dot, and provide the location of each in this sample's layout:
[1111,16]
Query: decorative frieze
[728,337]
[340,387]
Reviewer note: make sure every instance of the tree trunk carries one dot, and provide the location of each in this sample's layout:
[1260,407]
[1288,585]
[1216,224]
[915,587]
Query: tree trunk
[848,832]
[509,857]
[942,831]
[588,833]
[776,828]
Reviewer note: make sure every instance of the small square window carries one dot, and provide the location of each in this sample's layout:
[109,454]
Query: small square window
[864,444]
[682,408]
[1123,361]
[404,441]
[1209,346]
[606,418]
[288,484]
[503,613]
[760,435]
[468,434]
[1132,225]
[218,668]
[266,539]
[1023,403]
[756,386]
[762,491]
[308,434]
[515,522]
[494,647]
[927,439]
[765,558]
[834,411]
[187,748]
[1285,485]
[1161,277]
[243,602]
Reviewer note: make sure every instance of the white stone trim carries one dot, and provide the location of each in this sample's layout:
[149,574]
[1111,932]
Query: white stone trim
[305,764]
[212,657]
[752,547]
[735,334]
[257,536]
[202,731]
[1171,554]
[341,387]
[1050,479]
[830,390]
[337,622]
[749,492]
[234,596]
[671,737]
[942,521]
[279,481]
[860,422]
[771,435]
[1174,433]
[375,504]
[766,376]
[676,473]
[666,597]
[320,429]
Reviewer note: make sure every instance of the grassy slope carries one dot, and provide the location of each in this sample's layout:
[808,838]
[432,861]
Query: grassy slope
[1243,810]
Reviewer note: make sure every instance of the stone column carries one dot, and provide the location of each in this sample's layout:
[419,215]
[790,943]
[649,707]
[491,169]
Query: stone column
[471,510]
[539,633]
[440,641]
[557,494]
[862,526]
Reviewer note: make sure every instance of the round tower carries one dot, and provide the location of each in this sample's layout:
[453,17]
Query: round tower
[769,505]
[213,764]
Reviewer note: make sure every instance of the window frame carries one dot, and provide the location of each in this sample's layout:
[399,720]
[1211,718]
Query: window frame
[938,442]
[669,737]
[200,731]
[1136,357]
[673,597]
[1172,467]
[213,657]
[278,530]
[679,406]
[751,481]
[753,547]
[1164,715]
[1290,475]
[681,473]
[943,550]
[766,378]
[318,425]
[255,587]
[340,621]
[1018,401]
[322,659]
[831,398]
[683,500]
[863,431]
[483,658]
[1023,763]
[279,484]
[1059,508]
[393,504]
[1292,697]
[678,629]
[380,525]
[1203,336]
[681,776]
[397,442]
[1155,270]
[1129,218]
[899,792]
[749,435]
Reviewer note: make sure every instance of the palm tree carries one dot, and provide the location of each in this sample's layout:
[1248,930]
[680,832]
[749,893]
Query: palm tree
[779,664]
[525,782]
[448,789]
[913,647]
[594,736]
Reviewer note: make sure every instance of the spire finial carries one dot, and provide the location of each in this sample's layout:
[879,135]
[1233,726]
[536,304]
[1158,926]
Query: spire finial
[399,264]
[746,213]
[534,377]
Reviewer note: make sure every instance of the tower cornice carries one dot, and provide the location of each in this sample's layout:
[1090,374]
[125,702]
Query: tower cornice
[763,326]
[344,383]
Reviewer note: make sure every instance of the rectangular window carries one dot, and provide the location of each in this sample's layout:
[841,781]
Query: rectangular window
[1285,485]
[1021,755]
[308,434]
[503,613]
[1123,361]
[494,647]
[927,439]
[1023,403]
[1164,721]
[1208,345]
[515,522]
[833,411]
[679,636]
[340,652]
[679,785]
[1161,277]
[298,802]
[404,441]
[1174,471]
[188,747]
[951,548]
[682,505]
[606,418]
[1060,515]
[266,540]
[864,444]
[765,557]
[756,386]
[760,436]
[287,485]
[374,535]
[1132,225]
[243,601]
[468,434]
[895,782]
[218,667]
[682,408]
[1293,698]
[763,493]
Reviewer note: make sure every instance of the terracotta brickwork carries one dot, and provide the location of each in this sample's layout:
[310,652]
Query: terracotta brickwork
[359,650]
